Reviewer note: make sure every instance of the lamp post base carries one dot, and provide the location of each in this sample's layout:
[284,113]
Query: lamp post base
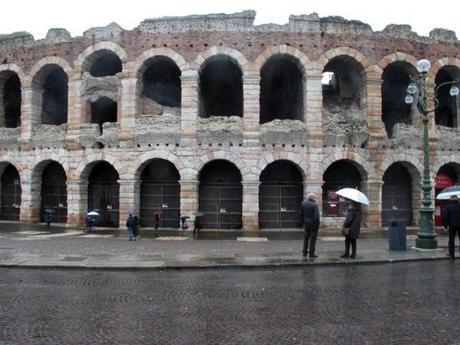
[426,242]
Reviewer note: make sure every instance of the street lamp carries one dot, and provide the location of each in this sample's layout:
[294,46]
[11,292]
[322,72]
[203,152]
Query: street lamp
[426,236]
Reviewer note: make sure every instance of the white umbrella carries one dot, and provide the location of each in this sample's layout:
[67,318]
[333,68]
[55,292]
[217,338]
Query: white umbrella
[448,192]
[93,213]
[353,194]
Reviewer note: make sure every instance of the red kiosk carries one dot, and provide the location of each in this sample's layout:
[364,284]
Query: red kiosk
[442,181]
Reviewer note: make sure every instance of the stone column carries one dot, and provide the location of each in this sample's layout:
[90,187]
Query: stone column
[75,114]
[128,112]
[317,188]
[28,118]
[375,125]
[251,205]
[313,110]
[188,196]
[129,199]
[77,202]
[251,109]
[30,201]
[189,107]
[372,214]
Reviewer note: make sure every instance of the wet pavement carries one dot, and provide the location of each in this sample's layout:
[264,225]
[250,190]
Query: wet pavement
[402,303]
[35,245]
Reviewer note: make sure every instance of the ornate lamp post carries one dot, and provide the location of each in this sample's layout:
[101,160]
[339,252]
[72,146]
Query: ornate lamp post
[426,236]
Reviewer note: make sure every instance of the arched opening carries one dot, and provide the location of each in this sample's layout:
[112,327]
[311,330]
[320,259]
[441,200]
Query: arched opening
[340,174]
[448,107]
[221,195]
[103,110]
[104,63]
[281,89]
[10,100]
[343,85]
[447,176]
[10,194]
[160,194]
[54,192]
[396,78]
[161,84]
[396,194]
[280,196]
[221,88]
[103,194]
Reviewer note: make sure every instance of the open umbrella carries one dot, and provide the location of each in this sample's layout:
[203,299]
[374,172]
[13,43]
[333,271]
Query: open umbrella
[446,193]
[353,194]
[93,213]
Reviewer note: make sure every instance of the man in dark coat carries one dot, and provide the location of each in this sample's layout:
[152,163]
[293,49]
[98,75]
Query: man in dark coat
[309,213]
[451,219]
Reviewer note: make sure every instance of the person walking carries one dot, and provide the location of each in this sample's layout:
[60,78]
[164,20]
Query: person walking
[309,214]
[47,218]
[351,229]
[451,220]
[130,226]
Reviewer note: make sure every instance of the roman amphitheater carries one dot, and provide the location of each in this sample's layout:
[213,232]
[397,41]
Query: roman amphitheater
[212,113]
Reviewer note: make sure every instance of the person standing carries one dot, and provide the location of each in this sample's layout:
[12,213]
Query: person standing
[353,224]
[309,213]
[136,227]
[451,219]
[130,226]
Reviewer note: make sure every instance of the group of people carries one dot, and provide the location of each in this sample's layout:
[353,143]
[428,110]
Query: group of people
[310,217]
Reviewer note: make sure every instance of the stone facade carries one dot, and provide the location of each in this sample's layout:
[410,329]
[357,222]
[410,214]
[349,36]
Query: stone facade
[180,136]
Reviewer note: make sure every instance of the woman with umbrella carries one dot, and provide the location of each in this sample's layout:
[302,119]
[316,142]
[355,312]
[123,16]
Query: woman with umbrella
[352,223]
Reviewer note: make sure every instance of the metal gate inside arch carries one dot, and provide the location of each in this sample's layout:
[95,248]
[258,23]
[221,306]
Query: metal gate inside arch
[280,196]
[103,194]
[396,195]
[221,195]
[11,194]
[54,192]
[160,195]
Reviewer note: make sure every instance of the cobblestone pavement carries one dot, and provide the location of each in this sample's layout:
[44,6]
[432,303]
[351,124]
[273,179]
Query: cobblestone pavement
[404,303]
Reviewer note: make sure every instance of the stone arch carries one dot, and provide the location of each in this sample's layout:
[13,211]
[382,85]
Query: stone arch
[84,169]
[445,61]
[137,66]
[11,85]
[363,165]
[327,56]
[50,60]
[307,66]
[84,58]
[296,159]
[11,67]
[37,169]
[11,196]
[407,160]
[5,163]
[445,160]
[146,158]
[219,155]
[236,56]
[398,56]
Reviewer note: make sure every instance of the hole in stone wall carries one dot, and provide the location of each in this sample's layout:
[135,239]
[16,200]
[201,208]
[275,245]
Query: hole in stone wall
[103,110]
[281,89]
[447,112]
[396,78]
[221,88]
[105,63]
[12,101]
[54,106]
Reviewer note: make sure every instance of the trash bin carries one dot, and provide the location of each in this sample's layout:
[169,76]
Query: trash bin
[397,234]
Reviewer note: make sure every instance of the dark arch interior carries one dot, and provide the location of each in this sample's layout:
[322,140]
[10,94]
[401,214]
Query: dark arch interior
[281,90]
[55,90]
[106,64]
[160,195]
[103,194]
[103,110]
[10,194]
[345,87]
[221,88]
[161,82]
[446,113]
[221,195]
[340,174]
[54,193]
[280,195]
[12,101]
[450,171]
[396,78]
[396,194]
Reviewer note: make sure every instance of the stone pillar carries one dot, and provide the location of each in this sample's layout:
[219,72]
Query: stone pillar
[30,203]
[372,214]
[75,114]
[317,188]
[28,118]
[375,124]
[188,197]
[129,199]
[77,202]
[128,112]
[313,110]
[250,205]
[251,106]
[189,107]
